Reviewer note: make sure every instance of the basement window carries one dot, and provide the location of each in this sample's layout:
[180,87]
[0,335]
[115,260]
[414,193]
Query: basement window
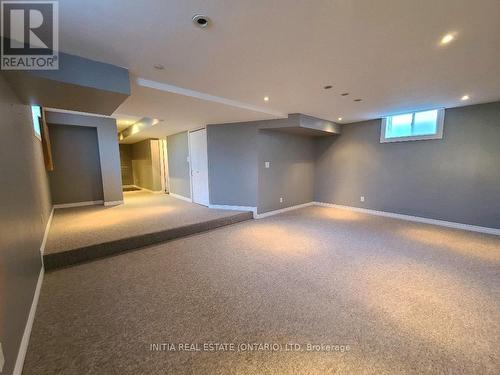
[36,112]
[414,126]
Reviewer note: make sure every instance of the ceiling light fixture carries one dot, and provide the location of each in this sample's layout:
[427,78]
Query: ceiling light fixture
[465,97]
[266,98]
[200,20]
[327,87]
[447,39]
[344,94]
[158,67]
[340,119]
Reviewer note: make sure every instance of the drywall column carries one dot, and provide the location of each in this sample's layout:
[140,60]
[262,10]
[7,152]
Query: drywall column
[233,164]
[289,180]
[109,153]
[178,164]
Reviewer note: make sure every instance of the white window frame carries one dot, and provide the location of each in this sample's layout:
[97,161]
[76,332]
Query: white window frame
[35,133]
[437,135]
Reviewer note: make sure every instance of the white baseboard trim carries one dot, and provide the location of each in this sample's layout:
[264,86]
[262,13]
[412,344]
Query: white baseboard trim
[182,197]
[234,208]
[112,203]
[46,233]
[23,348]
[77,204]
[443,223]
[281,210]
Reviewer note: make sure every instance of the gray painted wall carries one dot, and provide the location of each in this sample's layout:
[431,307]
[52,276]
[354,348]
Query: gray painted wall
[291,171]
[455,179]
[24,210]
[178,165]
[77,171]
[156,164]
[233,164]
[126,164]
[109,154]
[79,84]
[145,170]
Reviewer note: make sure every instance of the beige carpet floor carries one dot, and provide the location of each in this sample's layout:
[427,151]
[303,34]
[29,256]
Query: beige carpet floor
[404,298]
[142,213]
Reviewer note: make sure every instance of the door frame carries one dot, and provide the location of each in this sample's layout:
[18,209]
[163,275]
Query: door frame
[164,175]
[190,166]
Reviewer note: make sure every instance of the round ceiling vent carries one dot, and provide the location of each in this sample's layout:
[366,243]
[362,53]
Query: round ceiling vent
[201,21]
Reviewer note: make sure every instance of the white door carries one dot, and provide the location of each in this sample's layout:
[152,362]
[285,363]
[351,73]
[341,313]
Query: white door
[199,166]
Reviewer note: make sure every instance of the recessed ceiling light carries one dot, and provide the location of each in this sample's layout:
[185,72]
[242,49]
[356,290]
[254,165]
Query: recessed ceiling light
[327,87]
[159,67]
[340,119]
[358,100]
[447,39]
[465,97]
[266,98]
[345,94]
[200,20]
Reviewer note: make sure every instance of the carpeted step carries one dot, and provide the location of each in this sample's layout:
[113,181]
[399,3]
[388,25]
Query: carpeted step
[88,253]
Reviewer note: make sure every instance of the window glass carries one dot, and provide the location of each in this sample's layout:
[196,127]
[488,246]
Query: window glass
[399,126]
[425,122]
[36,112]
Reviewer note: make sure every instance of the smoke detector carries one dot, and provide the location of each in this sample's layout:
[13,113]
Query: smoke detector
[201,21]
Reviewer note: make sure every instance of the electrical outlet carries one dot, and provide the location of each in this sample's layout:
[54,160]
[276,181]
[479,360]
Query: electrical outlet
[2,359]
[267,164]
[362,198]
[281,199]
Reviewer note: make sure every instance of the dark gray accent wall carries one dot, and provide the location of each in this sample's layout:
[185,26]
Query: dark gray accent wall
[77,170]
[456,178]
[178,165]
[126,164]
[233,164]
[109,154]
[291,170]
[25,207]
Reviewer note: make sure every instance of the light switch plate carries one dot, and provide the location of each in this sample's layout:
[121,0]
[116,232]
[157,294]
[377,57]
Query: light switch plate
[362,198]
[267,164]
[2,359]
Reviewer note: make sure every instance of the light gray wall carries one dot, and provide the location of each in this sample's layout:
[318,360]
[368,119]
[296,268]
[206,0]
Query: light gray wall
[291,171]
[455,179]
[109,154]
[233,164]
[24,210]
[178,166]
[156,164]
[77,171]
[145,170]
[126,164]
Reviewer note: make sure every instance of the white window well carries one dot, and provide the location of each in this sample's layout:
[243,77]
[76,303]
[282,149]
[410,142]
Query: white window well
[413,126]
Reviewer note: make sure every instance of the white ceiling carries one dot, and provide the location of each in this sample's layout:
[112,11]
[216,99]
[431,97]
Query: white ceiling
[386,52]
